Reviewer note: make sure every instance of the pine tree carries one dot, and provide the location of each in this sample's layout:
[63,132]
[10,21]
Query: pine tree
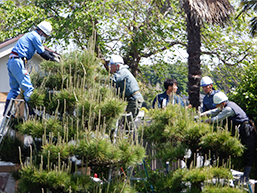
[173,131]
[76,111]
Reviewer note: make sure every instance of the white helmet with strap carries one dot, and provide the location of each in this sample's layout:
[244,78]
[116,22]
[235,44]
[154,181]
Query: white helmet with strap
[219,97]
[116,59]
[206,80]
[46,27]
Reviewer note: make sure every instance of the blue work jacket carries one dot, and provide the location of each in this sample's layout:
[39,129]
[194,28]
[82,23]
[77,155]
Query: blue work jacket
[28,44]
[176,100]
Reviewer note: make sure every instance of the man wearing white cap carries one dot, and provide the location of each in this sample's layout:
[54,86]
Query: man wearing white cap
[23,51]
[236,118]
[127,83]
[207,86]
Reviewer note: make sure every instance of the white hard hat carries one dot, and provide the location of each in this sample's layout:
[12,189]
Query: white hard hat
[116,59]
[219,97]
[206,80]
[46,27]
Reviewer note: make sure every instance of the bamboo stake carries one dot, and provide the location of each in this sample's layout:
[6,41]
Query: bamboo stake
[20,157]
[48,160]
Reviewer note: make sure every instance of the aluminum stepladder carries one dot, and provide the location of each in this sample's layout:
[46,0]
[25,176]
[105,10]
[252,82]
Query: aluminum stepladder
[127,116]
[117,128]
[132,129]
[12,108]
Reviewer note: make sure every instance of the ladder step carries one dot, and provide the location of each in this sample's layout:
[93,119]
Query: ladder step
[12,109]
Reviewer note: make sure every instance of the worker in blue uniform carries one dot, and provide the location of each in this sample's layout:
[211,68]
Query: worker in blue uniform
[23,51]
[207,86]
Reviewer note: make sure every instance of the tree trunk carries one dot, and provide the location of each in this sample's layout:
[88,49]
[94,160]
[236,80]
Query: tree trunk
[194,62]
[133,61]
[134,68]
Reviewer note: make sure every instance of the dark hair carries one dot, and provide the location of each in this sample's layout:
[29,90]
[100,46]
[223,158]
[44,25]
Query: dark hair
[169,82]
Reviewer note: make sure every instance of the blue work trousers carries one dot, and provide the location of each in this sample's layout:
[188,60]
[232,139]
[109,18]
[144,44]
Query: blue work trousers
[19,78]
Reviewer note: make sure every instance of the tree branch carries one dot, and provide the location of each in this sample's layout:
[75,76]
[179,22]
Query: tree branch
[224,61]
[164,48]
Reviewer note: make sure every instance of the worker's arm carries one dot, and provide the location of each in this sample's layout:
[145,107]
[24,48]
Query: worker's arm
[49,56]
[212,112]
[226,112]
[118,77]
[42,51]
[46,55]
[113,78]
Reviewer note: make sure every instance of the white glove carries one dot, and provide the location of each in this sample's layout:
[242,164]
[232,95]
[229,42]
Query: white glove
[56,57]
[196,117]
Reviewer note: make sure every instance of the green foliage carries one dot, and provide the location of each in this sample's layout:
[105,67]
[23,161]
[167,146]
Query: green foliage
[37,99]
[187,180]
[60,181]
[33,180]
[9,149]
[77,72]
[173,130]
[175,180]
[37,128]
[220,189]
[220,173]
[76,120]
[197,176]
[121,187]
[52,152]
[66,102]
[248,7]
[97,150]
[24,15]
[131,153]
[222,143]
[157,73]
[245,94]
[105,111]
[77,69]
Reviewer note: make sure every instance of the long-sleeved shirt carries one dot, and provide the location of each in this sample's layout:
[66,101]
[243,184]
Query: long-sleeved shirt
[164,99]
[231,111]
[28,44]
[218,114]
[123,76]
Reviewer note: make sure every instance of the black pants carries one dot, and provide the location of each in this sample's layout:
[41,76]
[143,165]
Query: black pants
[248,139]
